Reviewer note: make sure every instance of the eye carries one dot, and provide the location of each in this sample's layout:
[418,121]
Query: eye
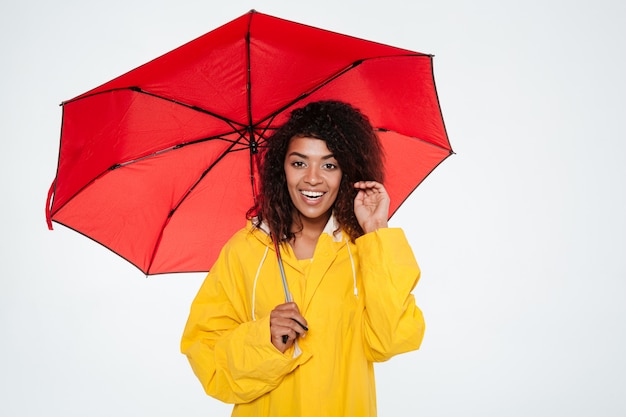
[297,164]
[330,166]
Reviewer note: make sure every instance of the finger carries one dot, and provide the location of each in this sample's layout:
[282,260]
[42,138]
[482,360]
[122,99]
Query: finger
[278,332]
[367,184]
[288,318]
[300,324]
[282,342]
[287,307]
[375,191]
[361,185]
[289,311]
[281,325]
[283,335]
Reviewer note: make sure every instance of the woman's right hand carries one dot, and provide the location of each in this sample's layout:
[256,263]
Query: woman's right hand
[286,320]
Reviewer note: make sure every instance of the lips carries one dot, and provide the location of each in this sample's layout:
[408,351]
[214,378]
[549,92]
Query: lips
[312,194]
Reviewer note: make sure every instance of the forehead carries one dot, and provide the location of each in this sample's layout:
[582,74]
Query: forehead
[309,146]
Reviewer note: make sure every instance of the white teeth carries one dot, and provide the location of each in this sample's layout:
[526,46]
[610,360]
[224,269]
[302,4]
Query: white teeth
[312,194]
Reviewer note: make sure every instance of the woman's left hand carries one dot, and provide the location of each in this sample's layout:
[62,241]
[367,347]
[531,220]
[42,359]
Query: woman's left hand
[371,205]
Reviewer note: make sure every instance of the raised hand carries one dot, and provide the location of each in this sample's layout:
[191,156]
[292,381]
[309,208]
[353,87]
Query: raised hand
[371,205]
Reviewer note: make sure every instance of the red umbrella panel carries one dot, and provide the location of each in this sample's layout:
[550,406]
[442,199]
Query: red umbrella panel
[159,164]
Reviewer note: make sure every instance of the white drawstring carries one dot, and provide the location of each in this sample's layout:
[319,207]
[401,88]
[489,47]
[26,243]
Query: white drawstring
[256,278]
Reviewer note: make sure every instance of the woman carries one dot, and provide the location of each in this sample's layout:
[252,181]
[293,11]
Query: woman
[350,278]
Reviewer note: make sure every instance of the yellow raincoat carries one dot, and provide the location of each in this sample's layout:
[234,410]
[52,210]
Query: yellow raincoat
[356,298]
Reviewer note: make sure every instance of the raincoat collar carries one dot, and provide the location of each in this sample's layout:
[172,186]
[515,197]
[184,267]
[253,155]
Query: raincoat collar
[331,229]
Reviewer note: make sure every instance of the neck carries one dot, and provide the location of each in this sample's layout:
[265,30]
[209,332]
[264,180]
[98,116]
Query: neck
[309,228]
[306,235]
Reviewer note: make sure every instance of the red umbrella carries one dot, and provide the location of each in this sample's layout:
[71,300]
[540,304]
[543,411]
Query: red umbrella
[159,164]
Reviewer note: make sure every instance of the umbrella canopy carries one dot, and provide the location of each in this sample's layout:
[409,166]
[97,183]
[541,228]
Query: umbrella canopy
[159,164]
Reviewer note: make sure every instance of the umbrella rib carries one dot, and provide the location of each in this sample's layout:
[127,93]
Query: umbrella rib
[230,122]
[179,146]
[253,144]
[436,145]
[268,126]
[182,199]
[305,94]
[136,89]
[330,79]
[248,76]
[142,158]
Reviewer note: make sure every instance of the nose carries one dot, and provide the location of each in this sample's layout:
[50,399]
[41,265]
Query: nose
[312,176]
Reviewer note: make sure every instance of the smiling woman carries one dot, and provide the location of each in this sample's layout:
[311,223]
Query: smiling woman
[346,135]
[313,179]
[324,208]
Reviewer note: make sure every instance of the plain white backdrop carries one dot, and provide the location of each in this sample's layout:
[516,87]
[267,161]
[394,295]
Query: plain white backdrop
[520,235]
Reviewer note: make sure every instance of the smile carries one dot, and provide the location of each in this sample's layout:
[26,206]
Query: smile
[312,194]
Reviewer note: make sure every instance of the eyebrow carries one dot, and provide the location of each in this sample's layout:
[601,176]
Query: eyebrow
[298,154]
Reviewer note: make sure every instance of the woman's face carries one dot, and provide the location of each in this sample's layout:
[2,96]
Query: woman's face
[313,177]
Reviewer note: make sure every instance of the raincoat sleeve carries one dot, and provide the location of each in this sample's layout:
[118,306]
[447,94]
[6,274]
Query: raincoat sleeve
[231,355]
[392,323]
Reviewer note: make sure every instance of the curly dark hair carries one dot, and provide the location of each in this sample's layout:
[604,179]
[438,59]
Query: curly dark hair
[356,147]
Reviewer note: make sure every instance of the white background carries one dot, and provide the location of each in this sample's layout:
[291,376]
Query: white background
[520,236]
